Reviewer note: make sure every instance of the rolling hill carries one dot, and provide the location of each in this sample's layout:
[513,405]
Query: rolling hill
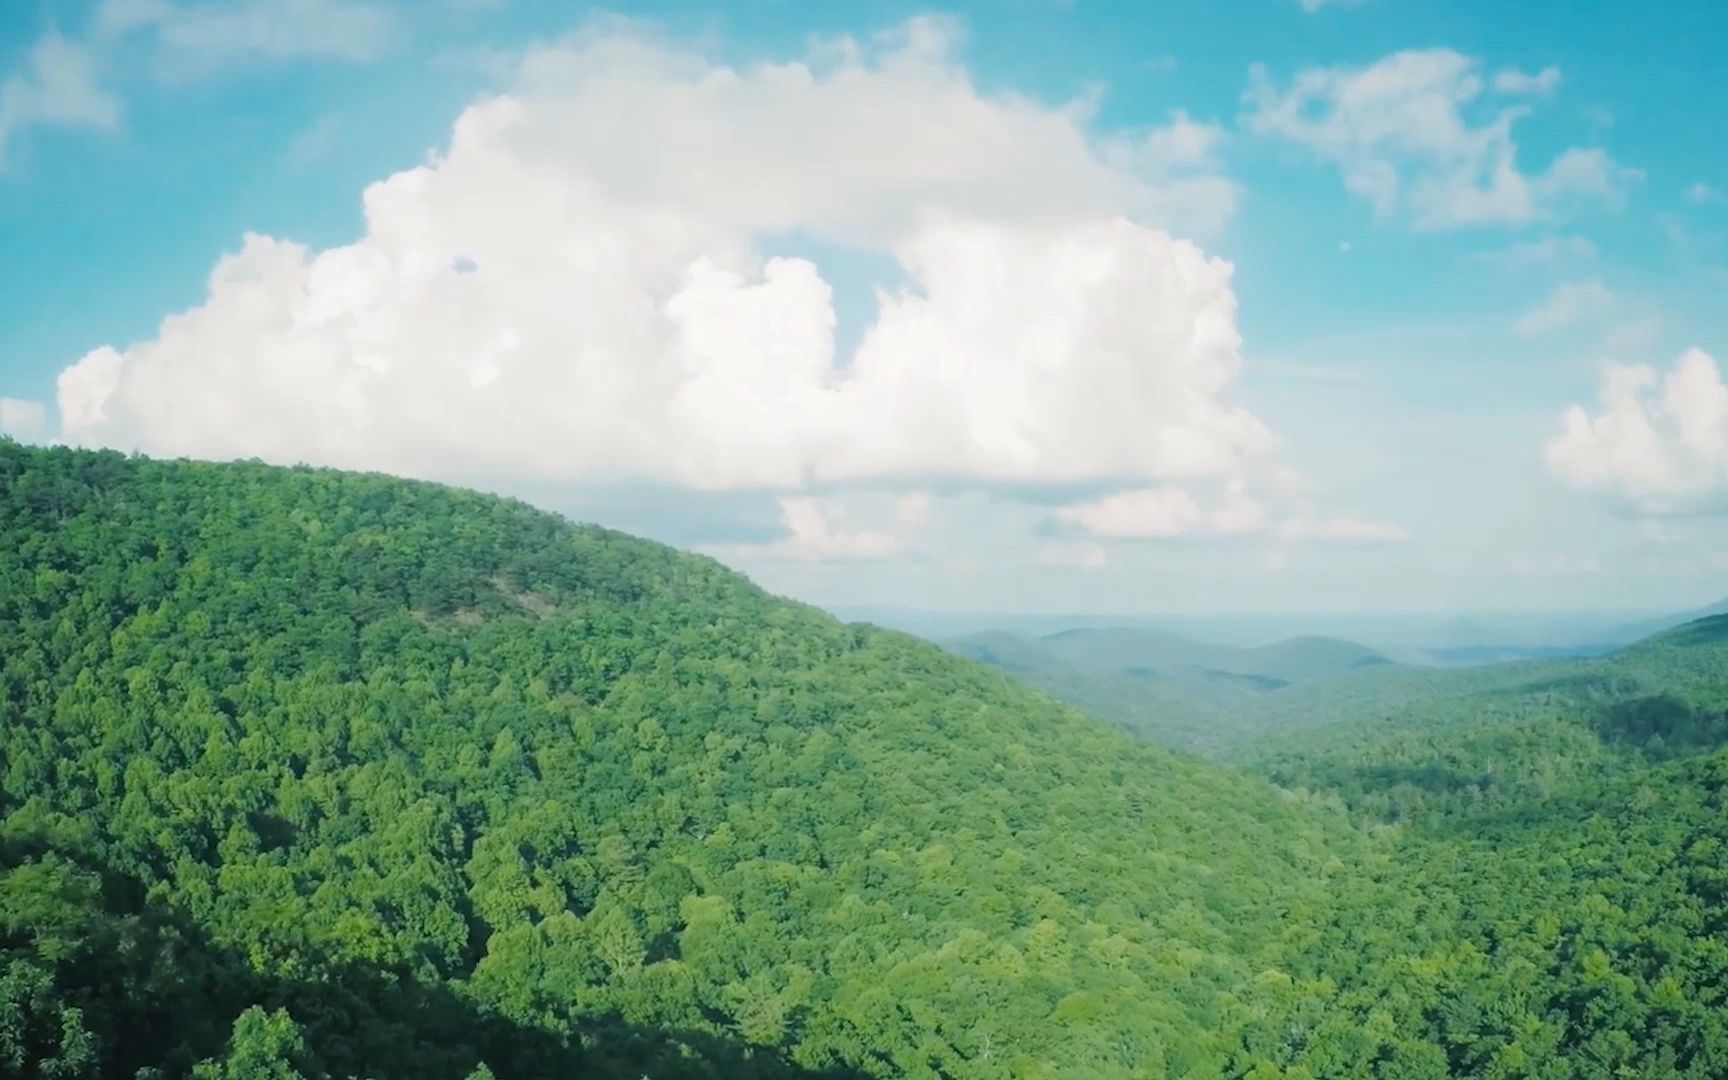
[367,777]
[1193,696]
[1305,659]
[307,773]
[1142,651]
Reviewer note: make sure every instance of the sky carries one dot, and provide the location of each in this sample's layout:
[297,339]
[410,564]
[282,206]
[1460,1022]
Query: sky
[1257,306]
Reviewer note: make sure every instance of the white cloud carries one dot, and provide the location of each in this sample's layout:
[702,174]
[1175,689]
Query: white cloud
[1564,307]
[22,420]
[1159,513]
[1181,159]
[582,289]
[1183,142]
[1398,131]
[816,532]
[1587,171]
[1703,194]
[1513,81]
[1548,249]
[1658,442]
[1634,336]
[58,86]
[1168,511]
[196,37]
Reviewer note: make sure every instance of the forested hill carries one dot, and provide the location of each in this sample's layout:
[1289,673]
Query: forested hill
[332,774]
[305,773]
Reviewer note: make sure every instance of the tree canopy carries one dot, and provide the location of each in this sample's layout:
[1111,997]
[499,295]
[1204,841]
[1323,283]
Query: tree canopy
[309,773]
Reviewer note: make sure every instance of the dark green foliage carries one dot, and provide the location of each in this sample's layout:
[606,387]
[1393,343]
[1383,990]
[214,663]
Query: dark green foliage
[314,774]
[1551,900]
[368,777]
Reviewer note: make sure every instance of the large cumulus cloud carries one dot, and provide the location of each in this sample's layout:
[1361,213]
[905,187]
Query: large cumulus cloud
[1658,442]
[586,287]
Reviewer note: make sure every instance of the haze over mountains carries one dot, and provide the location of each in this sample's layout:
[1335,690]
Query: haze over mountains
[1439,638]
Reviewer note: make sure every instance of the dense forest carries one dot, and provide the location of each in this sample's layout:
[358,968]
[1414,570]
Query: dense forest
[308,773]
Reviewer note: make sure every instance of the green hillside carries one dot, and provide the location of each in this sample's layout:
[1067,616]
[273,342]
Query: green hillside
[379,778]
[305,773]
[1552,897]
[1650,701]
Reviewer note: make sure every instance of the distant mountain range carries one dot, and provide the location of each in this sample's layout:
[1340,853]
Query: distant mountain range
[1214,699]
[1146,652]
[1608,638]
[1193,695]
[1413,639]
[1645,628]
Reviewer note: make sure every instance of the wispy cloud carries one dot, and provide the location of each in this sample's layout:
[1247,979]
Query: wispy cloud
[66,82]
[58,86]
[1564,307]
[192,39]
[1547,250]
[1397,129]
[1514,81]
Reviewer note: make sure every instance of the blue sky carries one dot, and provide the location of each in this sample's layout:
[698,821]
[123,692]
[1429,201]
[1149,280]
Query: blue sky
[1442,220]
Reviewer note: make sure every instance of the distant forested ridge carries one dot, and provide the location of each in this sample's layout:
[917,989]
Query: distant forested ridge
[308,773]
[1189,695]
